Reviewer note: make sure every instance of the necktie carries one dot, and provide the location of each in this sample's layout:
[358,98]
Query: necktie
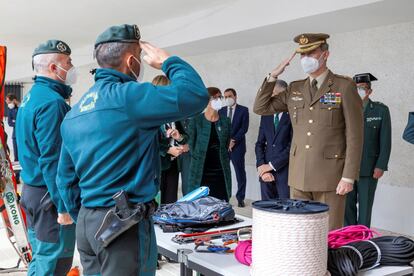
[276,120]
[231,114]
[314,88]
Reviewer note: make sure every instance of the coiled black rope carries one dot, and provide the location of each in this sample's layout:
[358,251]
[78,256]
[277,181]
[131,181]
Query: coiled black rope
[364,255]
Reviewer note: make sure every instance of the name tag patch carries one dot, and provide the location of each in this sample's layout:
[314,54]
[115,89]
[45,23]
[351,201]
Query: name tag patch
[370,119]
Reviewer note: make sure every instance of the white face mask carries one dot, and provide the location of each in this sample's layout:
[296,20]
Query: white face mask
[362,92]
[71,75]
[10,105]
[310,64]
[216,104]
[139,77]
[229,102]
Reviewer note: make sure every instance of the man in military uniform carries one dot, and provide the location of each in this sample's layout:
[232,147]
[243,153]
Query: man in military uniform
[327,121]
[375,154]
[38,138]
[110,145]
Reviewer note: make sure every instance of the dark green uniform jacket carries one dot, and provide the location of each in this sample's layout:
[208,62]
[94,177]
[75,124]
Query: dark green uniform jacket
[377,138]
[199,137]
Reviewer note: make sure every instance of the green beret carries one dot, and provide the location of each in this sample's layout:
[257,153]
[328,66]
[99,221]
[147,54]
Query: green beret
[52,46]
[122,33]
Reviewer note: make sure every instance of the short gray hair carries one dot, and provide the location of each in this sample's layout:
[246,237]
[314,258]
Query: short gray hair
[111,54]
[41,62]
[325,47]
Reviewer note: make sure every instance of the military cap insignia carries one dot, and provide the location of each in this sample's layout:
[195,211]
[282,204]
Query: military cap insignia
[303,40]
[136,32]
[296,93]
[61,47]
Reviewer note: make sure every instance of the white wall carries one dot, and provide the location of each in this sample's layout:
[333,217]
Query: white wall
[387,52]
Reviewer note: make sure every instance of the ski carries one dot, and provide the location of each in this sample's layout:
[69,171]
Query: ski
[9,202]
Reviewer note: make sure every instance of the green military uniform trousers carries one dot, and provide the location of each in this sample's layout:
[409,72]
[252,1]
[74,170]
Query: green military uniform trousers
[363,194]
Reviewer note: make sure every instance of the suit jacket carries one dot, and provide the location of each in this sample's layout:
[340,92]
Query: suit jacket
[377,138]
[273,145]
[239,126]
[199,130]
[409,129]
[327,130]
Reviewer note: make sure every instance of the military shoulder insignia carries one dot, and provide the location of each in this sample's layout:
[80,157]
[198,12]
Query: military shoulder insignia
[61,47]
[344,77]
[88,102]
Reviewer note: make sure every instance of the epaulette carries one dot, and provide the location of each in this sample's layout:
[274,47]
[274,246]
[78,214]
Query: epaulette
[343,77]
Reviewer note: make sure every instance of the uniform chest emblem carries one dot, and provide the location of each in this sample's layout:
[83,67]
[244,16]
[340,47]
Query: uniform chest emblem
[370,119]
[331,98]
[88,102]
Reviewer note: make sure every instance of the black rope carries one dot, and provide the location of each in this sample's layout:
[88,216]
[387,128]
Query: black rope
[356,256]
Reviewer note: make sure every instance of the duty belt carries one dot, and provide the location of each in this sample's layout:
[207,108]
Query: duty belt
[122,217]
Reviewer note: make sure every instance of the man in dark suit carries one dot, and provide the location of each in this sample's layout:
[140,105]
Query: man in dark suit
[272,151]
[239,117]
[409,129]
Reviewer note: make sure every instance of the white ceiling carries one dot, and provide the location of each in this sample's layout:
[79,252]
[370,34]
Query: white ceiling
[24,24]
[186,27]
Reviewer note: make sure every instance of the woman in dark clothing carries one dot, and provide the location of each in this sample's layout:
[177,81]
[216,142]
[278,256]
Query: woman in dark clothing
[209,137]
[172,139]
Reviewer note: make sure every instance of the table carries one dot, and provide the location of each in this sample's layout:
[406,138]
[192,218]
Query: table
[212,264]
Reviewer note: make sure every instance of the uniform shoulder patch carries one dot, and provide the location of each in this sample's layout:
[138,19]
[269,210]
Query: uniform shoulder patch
[298,81]
[344,77]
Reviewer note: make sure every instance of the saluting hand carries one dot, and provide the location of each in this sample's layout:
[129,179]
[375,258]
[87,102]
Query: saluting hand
[154,56]
[344,187]
[281,67]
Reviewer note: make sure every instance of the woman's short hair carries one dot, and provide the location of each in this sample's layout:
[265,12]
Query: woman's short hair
[213,91]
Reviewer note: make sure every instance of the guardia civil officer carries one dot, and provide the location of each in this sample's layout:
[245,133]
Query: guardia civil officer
[110,145]
[375,154]
[326,115]
[39,142]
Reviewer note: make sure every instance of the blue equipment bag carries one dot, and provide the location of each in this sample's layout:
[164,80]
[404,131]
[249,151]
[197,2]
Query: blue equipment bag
[194,216]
